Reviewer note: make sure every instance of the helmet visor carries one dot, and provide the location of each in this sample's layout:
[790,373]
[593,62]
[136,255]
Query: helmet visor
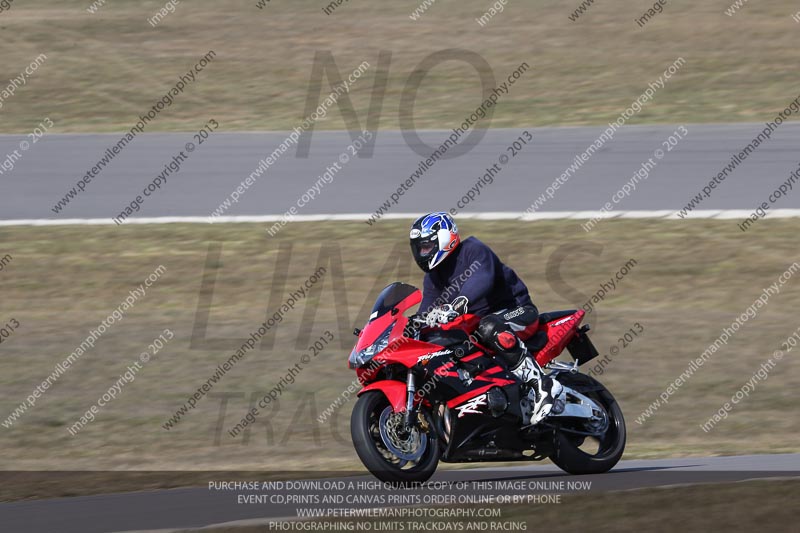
[424,248]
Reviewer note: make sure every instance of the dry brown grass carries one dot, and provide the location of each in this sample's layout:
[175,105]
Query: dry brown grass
[690,282]
[103,70]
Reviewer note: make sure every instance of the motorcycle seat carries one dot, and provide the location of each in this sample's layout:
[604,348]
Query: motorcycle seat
[544,318]
[537,341]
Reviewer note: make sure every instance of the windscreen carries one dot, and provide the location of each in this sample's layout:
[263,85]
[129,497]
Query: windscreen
[389,297]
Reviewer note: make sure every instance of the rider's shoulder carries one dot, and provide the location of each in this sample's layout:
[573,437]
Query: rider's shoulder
[473,244]
[472,241]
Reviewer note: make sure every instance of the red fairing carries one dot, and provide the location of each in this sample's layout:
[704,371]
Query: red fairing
[467,322]
[559,333]
[395,392]
[406,351]
[376,327]
[401,350]
[493,378]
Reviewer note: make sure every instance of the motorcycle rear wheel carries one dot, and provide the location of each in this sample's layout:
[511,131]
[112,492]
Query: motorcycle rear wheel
[568,454]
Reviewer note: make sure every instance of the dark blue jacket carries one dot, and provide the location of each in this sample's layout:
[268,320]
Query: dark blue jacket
[473,270]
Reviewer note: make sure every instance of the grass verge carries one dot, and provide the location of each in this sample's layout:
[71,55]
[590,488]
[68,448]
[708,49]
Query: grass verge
[105,69]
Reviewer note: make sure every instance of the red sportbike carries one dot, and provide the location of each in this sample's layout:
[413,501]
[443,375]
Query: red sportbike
[434,394]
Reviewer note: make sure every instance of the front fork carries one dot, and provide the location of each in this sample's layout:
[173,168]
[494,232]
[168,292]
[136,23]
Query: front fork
[411,410]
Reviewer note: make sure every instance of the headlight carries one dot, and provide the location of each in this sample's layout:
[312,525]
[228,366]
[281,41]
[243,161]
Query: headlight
[358,359]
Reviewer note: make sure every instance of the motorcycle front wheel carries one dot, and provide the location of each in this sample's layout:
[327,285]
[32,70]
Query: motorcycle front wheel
[390,452]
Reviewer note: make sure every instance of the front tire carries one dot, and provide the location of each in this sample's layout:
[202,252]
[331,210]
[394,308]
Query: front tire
[371,427]
[569,455]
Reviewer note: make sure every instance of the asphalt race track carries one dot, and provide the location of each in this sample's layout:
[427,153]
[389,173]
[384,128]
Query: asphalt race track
[48,169]
[198,507]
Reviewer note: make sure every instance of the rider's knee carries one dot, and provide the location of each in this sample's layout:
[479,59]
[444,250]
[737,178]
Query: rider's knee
[501,339]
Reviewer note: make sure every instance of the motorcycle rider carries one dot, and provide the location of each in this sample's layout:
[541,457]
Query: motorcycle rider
[469,275]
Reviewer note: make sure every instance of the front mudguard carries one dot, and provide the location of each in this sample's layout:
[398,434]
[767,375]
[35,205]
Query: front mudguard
[395,392]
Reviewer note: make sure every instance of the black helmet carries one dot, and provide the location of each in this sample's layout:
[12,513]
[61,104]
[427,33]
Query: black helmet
[433,237]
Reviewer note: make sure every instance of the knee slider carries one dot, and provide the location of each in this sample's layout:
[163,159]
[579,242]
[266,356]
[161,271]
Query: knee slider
[489,326]
[500,338]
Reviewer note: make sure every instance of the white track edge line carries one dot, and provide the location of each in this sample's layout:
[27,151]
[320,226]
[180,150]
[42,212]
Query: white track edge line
[362,217]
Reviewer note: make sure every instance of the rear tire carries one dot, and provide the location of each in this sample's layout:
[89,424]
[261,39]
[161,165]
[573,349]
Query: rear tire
[568,455]
[365,431]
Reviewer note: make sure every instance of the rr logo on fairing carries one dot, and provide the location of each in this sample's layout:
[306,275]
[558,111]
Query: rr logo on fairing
[471,407]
